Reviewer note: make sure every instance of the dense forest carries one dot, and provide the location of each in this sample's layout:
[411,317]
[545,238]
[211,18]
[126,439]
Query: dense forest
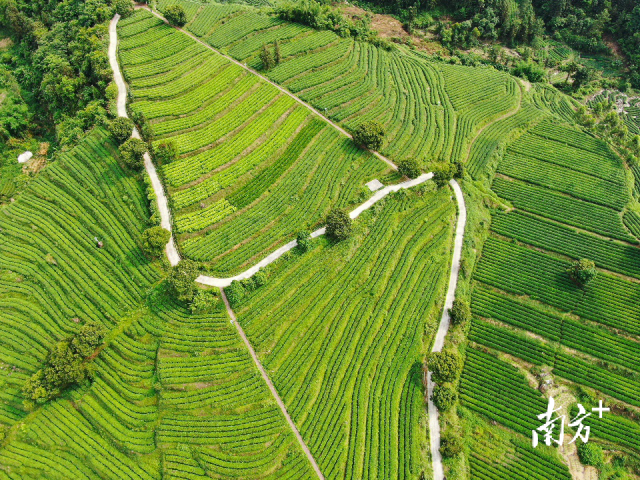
[59,60]
[582,24]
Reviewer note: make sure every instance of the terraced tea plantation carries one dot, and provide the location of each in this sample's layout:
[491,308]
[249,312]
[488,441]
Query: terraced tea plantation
[341,330]
[254,165]
[162,369]
[568,192]
[316,366]
[430,111]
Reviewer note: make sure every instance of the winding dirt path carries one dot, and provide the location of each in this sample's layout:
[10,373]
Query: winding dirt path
[174,257]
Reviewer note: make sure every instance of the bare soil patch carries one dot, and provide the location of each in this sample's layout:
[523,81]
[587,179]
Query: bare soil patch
[389,27]
[5,43]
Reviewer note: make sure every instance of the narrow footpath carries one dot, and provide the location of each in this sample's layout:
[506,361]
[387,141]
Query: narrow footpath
[174,256]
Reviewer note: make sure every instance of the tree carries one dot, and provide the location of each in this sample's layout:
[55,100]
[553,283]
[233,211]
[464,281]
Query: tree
[277,56]
[121,129]
[124,8]
[235,292]
[204,302]
[175,15]
[444,366]
[266,58]
[582,271]
[457,169]
[444,396]
[166,151]
[442,175]
[460,311]
[582,76]
[369,134]
[339,224]
[154,240]
[132,153]
[409,168]
[182,279]
[90,337]
[304,241]
[451,445]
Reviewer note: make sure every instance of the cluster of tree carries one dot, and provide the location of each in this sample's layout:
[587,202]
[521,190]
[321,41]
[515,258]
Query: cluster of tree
[239,289]
[582,24]
[14,112]
[444,172]
[320,14]
[445,368]
[603,120]
[67,364]
[508,20]
[270,59]
[182,281]
[60,59]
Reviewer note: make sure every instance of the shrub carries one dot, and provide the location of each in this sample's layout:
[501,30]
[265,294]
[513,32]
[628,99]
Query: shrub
[450,446]
[235,292]
[304,241]
[582,271]
[204,302]
[444,366]
[175,15]
[260,278]
[444,396]
[132,153]
[249,284]
[460,312]
[591,454]
[267,59]
[121,129]
[409,168]
[182,279]
[369,134]
[339,224]
[529,70]
[154,240]
[166,152]
[124,8]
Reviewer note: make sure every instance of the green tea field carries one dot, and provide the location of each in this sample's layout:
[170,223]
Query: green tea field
[269,251]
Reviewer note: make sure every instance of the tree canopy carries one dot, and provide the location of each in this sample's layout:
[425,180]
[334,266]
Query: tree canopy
[175,15]
[154,240]
[369,134]
[339,224]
